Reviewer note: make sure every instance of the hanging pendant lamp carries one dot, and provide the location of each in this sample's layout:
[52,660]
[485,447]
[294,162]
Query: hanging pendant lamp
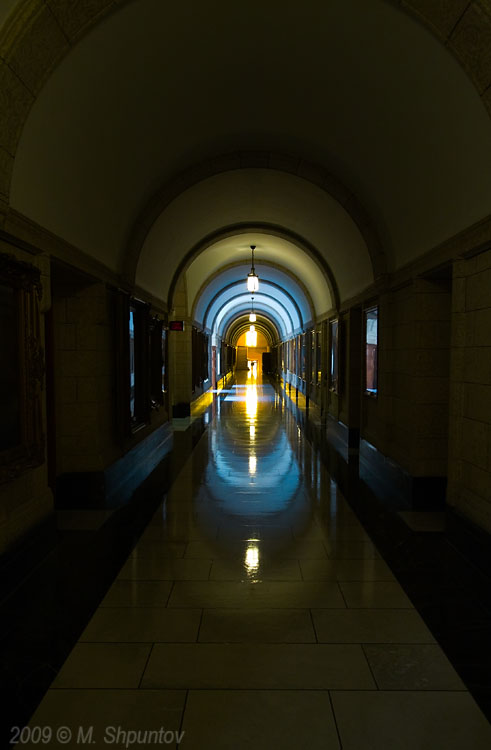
[252,278]
[252,314]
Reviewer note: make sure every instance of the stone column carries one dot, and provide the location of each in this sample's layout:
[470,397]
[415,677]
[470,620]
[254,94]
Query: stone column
[180,355]
[469,466]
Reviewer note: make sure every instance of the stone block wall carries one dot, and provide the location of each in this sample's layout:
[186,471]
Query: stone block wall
[180,348]
[408,421]
[469,468]
[84,362]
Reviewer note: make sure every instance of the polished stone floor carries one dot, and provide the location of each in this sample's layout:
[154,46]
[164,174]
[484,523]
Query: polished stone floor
[255,612]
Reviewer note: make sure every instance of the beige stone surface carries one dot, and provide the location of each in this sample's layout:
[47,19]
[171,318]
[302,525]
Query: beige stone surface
[15,103]
[442,15]
[471,41]
[33,44]
[77,16]
[6,166]
[478,290]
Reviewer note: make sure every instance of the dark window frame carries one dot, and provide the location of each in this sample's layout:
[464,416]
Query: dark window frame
[318,357]
[157,347]
[140,415]
[302,343]
[370,354]
[200,348]
[23,448]
[334,352]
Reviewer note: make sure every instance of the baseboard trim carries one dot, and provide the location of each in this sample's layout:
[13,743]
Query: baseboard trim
[115,485]
[395,486]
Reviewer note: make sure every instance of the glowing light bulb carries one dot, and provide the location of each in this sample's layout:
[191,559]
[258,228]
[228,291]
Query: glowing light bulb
[252,279]
[252,282]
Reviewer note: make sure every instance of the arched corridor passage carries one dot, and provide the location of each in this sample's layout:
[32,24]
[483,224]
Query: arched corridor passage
[255,605]
[269,542]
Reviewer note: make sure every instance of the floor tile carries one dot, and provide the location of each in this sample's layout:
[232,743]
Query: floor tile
[374,594]
[334,533]
[313,550]
[255,532]
[344,550]
[128,593]
[370,626]
[142,624]
[401,720]
[154,569]
[177,535]
[104,665]
[257,626]
[302,517]
[100,709]
[206,550]
[281,570]
[329,513]
[256,666]
[267,594]
[346,570]
[154,548]
[410,667]
[262,719]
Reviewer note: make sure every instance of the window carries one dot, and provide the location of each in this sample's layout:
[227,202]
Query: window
[22,369]
[132,361]
[10,433]
[138,364]
[371,349]
[157,343]
[318,357]
[334,355]
[163,344]
[200,356]
[302,350]
[313,367]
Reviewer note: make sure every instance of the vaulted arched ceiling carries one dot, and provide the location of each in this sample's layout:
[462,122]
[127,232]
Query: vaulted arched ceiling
[285,273]
[155,89]
[270,309]
[276,200]
[268,297]
[230,283]
[240,324]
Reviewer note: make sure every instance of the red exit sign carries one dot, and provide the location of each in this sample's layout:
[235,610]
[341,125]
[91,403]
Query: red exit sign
[176,325]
